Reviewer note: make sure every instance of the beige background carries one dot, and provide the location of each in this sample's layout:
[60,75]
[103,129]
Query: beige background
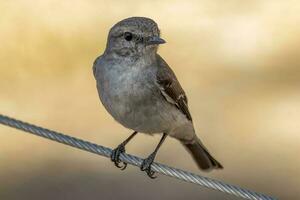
[238,62]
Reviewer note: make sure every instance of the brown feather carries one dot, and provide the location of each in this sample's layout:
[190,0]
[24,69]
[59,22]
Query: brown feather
[171,87]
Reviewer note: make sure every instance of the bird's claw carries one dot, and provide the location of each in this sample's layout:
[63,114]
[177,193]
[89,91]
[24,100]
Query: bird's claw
[115,157]
[146,166]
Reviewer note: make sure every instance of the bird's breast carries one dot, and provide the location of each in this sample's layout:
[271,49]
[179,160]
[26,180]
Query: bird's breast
[129,95]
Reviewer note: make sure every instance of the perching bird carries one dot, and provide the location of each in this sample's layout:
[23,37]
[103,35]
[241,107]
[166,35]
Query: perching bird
[140,91]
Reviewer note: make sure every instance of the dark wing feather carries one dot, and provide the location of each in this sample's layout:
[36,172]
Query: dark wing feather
[171,88]
[94,66]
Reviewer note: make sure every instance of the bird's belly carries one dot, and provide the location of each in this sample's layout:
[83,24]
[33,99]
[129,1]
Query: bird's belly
[136,104]
[140,113]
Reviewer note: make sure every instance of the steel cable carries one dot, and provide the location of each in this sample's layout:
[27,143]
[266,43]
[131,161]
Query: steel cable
[133,160]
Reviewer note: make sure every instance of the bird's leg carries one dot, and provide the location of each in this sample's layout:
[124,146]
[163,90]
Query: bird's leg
[146,164]
[115,155]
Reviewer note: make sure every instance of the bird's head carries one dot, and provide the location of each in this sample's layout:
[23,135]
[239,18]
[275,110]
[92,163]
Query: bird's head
[134,37]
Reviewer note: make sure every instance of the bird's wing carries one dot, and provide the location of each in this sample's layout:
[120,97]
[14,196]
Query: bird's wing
[94,65]
[170,87]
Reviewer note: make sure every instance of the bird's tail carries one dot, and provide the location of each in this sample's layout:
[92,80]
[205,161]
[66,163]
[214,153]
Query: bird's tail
[204,160]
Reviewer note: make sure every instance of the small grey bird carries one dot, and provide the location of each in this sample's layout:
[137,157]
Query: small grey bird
[140,91]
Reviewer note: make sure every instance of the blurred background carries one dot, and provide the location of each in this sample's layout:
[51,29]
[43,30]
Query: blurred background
[239,63]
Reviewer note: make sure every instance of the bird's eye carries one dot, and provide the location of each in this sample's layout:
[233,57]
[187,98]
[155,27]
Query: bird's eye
[128,36]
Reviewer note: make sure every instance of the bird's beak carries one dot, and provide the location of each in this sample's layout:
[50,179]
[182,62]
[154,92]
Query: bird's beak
[155,40]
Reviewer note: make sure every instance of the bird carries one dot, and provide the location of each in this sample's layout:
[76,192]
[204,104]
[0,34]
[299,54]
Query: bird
[141,92]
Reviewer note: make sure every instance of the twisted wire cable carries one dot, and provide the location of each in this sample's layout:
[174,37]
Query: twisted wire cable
[133,160]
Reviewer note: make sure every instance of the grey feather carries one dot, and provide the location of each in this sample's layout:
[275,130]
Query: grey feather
[141,92]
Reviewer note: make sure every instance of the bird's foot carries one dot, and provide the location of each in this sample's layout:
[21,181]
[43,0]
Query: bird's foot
[146,166]
[115,156]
